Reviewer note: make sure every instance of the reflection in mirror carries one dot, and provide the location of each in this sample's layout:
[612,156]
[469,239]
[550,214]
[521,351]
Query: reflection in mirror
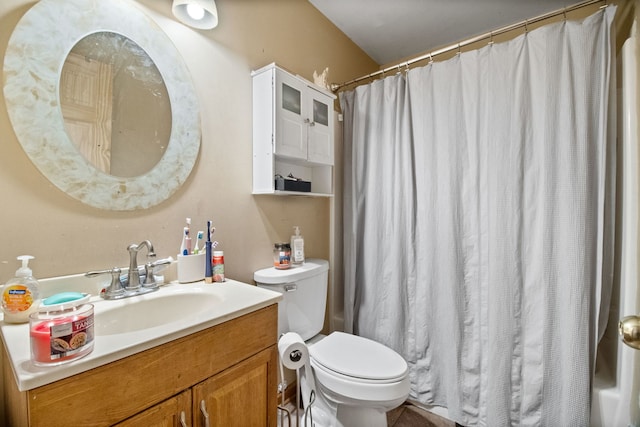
[115,104]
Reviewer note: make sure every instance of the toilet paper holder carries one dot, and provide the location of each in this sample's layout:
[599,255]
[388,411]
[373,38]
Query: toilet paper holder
[295,355]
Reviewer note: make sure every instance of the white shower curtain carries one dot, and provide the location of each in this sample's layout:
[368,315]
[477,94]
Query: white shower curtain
[477,210]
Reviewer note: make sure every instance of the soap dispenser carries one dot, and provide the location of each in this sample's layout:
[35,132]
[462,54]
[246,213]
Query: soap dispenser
[20,295]
[297,247]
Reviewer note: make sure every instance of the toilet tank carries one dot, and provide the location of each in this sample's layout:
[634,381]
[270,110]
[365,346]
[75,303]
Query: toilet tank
[304,296]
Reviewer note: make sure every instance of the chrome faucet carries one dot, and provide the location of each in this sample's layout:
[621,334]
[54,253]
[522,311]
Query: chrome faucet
[138,280]
[133,277]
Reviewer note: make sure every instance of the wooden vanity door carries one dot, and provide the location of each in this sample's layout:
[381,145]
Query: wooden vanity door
[243,395]
[173,412]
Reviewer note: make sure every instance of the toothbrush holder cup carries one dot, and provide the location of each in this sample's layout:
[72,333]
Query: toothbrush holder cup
[191,268]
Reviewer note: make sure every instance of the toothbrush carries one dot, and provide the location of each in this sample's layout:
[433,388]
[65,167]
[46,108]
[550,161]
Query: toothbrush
[208,275]
[188,221]
[187,238]
[196,249]
[183,247]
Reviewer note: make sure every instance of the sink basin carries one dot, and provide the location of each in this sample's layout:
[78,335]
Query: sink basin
[150,311]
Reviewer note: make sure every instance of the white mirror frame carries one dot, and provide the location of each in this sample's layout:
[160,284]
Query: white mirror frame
[36,52]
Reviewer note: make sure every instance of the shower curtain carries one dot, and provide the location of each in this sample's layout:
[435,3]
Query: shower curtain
[477,216]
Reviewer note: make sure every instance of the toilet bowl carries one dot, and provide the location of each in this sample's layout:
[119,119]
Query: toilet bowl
[357,380]
[364,378]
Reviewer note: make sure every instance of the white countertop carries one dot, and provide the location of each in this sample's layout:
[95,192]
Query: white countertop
[233,299]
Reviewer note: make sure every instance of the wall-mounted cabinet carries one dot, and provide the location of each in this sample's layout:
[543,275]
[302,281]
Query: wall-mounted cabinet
[293,124]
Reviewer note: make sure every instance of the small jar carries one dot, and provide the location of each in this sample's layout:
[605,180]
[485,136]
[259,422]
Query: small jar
[282,256]
[61,333]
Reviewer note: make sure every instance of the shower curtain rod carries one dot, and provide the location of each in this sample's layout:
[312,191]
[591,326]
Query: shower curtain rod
[457,46]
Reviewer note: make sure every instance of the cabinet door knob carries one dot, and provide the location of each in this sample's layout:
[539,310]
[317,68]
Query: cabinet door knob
[183,419]
[205,414]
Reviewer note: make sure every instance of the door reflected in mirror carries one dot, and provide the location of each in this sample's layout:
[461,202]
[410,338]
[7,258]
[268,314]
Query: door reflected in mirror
[115,105]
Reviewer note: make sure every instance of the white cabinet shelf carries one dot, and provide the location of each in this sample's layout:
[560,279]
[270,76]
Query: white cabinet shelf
[293,124]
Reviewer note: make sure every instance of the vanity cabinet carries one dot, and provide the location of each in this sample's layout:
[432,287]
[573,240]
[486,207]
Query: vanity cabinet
[228,372]
[293,128]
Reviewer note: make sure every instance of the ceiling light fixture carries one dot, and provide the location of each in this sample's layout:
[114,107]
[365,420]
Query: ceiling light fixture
[201,14]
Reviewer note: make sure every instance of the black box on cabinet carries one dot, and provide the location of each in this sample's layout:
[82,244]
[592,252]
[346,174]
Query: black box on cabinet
[283,184]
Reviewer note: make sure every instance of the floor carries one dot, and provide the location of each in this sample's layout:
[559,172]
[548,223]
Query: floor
[406,415]
[409,415]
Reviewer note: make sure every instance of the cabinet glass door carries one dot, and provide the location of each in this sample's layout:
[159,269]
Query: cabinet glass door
[291,129]
[291,99]
[320,113]
[320,149]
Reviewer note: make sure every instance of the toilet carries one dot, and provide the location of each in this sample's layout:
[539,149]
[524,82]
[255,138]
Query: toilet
[356,378]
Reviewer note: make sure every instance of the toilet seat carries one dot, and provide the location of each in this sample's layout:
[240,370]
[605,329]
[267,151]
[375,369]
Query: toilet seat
[358,358]
[352,369]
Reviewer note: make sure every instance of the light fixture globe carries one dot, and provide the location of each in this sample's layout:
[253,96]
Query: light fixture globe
[201,14]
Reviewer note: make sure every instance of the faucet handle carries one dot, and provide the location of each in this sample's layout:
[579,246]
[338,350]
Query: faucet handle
[151,268]
[115,289]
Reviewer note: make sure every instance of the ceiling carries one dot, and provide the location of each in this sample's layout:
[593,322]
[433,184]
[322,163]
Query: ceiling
[393,30]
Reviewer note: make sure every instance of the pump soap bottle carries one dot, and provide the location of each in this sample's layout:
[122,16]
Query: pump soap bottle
[20,295]
[297,247]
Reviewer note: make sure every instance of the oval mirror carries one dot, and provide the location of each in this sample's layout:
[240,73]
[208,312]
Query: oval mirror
[34,60]
[105,81]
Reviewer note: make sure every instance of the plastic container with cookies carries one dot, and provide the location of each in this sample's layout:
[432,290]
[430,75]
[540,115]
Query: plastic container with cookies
[62,329]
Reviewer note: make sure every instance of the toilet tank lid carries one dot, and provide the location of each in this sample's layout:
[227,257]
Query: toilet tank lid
[274,276]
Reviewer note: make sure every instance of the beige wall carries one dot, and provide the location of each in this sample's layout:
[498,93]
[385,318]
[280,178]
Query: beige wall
[68,237]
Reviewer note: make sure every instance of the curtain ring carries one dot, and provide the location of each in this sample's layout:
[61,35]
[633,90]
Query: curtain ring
[406,67]
[526,26]
[564,13]
[430,58]
[490,38]
[458,53]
